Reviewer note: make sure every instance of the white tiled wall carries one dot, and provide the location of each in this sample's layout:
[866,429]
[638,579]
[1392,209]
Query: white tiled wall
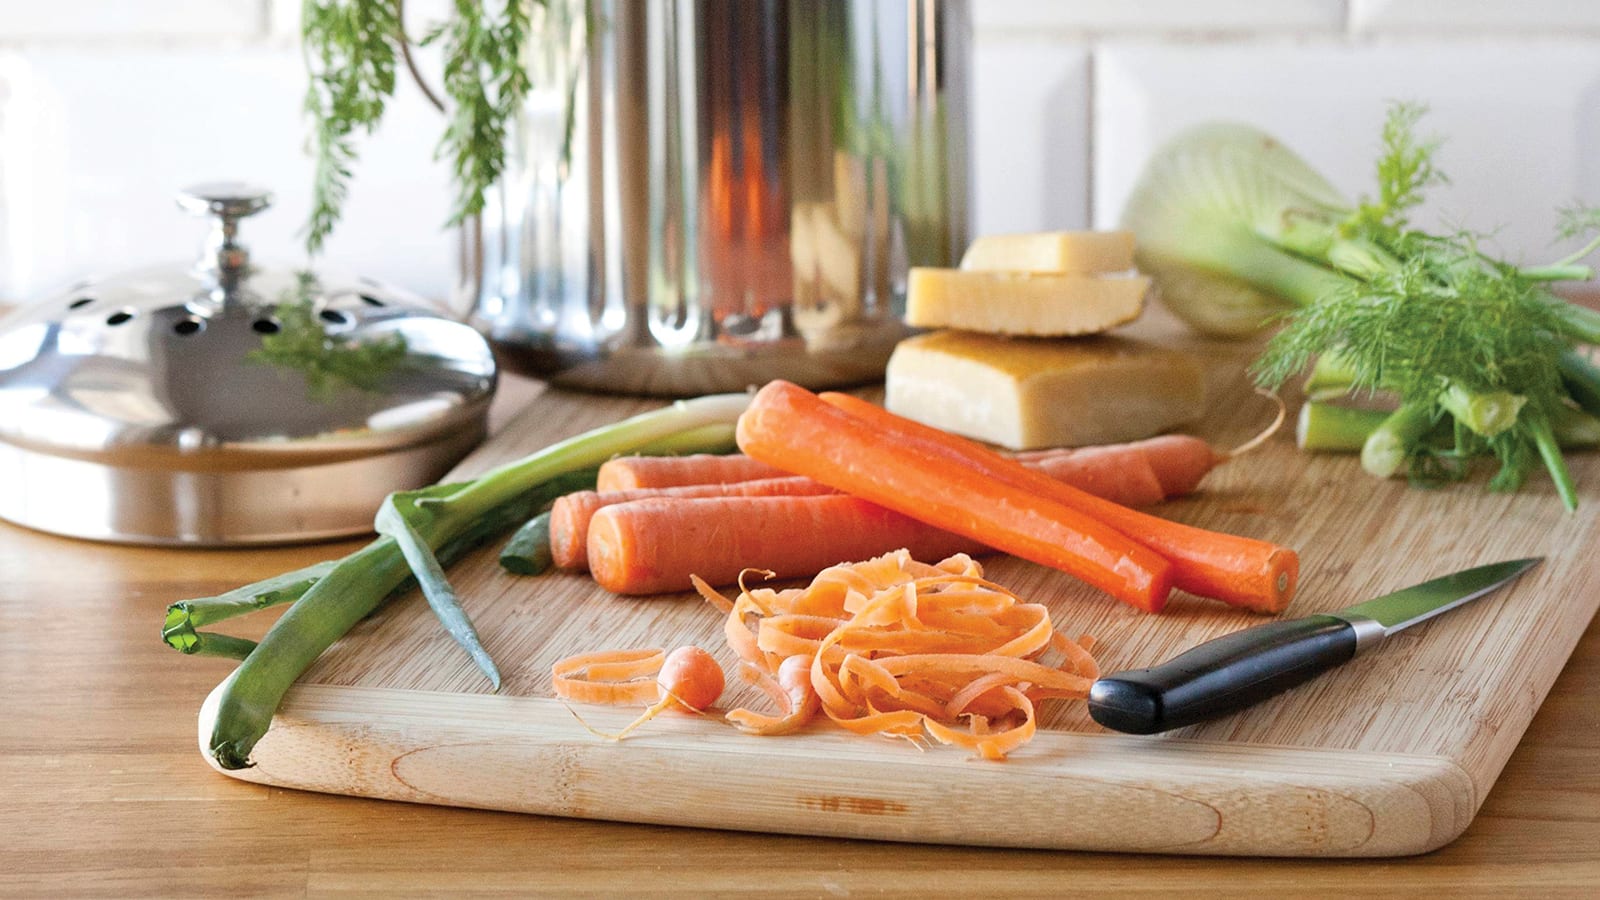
[108,106]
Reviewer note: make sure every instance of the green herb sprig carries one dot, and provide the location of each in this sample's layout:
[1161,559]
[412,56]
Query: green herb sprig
[327,362]
[353,49]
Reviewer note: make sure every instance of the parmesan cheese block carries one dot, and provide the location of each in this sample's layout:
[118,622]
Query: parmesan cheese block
[1027,394]
[1022,304]
[1072,252]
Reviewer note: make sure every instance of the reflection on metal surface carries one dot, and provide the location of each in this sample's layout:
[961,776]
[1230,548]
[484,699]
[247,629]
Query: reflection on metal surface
[137,409]
[706,194]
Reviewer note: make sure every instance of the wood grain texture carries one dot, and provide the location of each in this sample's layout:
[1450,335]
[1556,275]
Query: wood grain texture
[1390,755]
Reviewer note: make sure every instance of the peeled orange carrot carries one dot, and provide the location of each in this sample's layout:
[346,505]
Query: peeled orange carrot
[627,473]
[1138,473]
[789,427]
[1245,572]
[650,546]
[571,514]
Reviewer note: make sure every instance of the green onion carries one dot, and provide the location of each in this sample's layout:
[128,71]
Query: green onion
[185,616]
[528,551]
[358,584]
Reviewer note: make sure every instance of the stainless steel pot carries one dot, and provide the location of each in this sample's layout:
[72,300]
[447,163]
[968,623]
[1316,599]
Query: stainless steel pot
[706,194]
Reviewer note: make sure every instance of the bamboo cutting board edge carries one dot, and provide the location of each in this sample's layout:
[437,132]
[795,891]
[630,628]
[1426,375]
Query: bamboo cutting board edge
[1074,791]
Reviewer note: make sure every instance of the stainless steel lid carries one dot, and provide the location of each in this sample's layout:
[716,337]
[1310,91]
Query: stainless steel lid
[222,403]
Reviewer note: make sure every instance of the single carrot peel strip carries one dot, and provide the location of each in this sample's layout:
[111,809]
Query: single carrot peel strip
[609,676]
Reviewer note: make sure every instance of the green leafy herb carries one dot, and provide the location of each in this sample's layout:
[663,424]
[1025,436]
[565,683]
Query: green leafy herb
[353,49]
[326,361]
[485,79]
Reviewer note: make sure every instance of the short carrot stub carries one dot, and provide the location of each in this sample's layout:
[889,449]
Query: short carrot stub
[792,429]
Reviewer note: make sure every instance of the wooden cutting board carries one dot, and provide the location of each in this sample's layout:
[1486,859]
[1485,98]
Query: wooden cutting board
[1393,754]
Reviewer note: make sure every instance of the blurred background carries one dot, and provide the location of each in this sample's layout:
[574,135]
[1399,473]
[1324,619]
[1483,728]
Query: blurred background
[108,106]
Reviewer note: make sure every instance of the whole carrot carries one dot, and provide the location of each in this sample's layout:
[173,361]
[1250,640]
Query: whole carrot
[791,428]
[653,545]
[627,473]
[1244,572]
[1138,473]
[571,514]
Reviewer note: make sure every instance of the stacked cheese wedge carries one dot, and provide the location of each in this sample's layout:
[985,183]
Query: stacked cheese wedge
[1019,357]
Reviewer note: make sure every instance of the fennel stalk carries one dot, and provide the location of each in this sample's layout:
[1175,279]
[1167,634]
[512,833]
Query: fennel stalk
[1240,234]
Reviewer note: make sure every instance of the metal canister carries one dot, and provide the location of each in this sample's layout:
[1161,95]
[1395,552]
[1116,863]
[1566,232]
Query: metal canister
[707,194]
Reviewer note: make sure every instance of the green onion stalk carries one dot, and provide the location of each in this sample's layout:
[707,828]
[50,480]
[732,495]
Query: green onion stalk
[1240,234]
[421,532]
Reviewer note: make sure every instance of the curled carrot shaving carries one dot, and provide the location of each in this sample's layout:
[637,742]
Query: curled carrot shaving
[609,676]
[790,689]
[899,648]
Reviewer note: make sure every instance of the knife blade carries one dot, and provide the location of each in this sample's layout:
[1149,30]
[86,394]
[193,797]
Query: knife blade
[1237,670]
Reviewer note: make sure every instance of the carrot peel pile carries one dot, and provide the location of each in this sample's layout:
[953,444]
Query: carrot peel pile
[894,647]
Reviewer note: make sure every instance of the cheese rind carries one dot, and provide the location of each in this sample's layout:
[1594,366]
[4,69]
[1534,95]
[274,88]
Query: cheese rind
[1027,394]
[1061,252]
[1022,304]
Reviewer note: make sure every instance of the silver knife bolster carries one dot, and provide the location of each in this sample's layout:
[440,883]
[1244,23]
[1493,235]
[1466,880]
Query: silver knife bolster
[1369,632]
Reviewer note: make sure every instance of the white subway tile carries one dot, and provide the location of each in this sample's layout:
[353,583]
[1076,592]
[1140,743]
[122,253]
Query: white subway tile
[1030,136]
[1500,16]
[1520,124]
[100,19]
[95,144]
[1159,15]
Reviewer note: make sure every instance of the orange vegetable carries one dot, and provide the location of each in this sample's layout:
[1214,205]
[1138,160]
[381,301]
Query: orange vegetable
[653,545]
[571,513]
[1138,473]
[791,428]
[791,689]
[1141,472]
[842,635]
[1253,574]
[687,678]
[627,473]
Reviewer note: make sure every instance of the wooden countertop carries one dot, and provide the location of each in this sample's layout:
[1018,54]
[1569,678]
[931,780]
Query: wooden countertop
[105,792]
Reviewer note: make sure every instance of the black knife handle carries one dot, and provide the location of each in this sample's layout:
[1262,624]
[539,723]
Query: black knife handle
[1221,676]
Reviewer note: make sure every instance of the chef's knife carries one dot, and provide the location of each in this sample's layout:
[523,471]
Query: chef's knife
[1239,669]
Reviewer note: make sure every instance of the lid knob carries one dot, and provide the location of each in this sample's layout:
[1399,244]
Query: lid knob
[224,260]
